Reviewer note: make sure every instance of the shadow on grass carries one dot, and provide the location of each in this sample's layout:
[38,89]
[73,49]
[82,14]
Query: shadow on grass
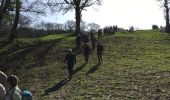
[93,69]
[4,43]
[79,68]
[56,87]
[62,82]
[15,55]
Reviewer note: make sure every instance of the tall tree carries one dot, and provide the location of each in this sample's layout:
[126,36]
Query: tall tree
[16,20]
[24,6]
[4,8]
[77,5]
[166,5]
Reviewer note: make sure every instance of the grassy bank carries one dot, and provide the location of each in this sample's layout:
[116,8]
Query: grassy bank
[135,66]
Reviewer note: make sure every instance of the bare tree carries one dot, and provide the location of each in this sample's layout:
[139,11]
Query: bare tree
[16,20]
[49,26]
[26,7]
[166,5]
[77,5]
[33,8]
[70,25]
[93,26]
[24,21]
[83,26]
[59,26]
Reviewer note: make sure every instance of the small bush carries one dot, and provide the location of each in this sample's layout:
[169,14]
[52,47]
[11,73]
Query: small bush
[155,27]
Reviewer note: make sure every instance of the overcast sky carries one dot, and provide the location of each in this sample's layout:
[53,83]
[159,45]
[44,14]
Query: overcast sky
[141,14]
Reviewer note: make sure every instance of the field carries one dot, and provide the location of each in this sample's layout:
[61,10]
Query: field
[136,66]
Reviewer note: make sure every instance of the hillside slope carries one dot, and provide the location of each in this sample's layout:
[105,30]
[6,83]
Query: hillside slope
[135,66]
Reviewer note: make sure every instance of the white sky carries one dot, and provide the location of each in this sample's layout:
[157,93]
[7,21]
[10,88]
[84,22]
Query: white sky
[141,14]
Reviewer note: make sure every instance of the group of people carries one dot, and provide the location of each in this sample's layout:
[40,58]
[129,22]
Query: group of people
[110,30]
[70,58]
[9,89]
[83,39]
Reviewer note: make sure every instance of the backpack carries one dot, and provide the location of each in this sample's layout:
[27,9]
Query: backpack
[26,95]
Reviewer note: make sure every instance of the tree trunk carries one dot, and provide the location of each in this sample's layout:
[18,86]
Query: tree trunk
[15,24]
[167,29]
[78,19]
[167,22]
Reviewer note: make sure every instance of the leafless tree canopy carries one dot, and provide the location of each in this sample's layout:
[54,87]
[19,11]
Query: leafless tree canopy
[77,5]
[66,5]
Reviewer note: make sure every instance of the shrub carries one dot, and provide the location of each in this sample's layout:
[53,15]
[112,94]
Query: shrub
[155,27]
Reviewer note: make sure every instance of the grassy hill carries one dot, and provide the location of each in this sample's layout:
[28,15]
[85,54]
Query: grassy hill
[136,66]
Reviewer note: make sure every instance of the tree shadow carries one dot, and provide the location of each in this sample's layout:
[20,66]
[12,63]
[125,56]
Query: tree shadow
[93,69]
[15,54]
[56,87]
[79,68]
[4,43]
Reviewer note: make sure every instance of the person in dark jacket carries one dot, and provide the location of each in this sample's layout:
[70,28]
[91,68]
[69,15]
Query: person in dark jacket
[86,52]
[99,52]
[70,59]
[93,42]
[78,41]
[85,39]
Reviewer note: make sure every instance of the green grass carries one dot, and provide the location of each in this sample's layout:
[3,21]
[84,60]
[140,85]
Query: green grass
[52,37]
[135,67]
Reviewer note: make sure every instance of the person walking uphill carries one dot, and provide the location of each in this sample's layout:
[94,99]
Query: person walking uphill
[3,85]
[2,92]
[3,80]
[78,41]
[86,52]
[14,93]
[70,59]
[99,52]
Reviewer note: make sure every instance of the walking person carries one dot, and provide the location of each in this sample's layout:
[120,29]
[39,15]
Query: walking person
[70,59]
[78,41]
[2,92]
[86,52]
[3,85]
[93,39]
[3,80]
[85,39]
[93,42]
[99,33]
[14,93]
[99,52]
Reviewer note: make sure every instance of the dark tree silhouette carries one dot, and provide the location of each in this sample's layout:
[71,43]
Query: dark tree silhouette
[155,27]
[24,6]
[77,5]
[4,8]
[16,20]
[165,5]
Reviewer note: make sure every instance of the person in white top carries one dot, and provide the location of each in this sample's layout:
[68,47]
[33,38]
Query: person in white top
[14,93]
[2,92]
[3,80]
[3,85]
